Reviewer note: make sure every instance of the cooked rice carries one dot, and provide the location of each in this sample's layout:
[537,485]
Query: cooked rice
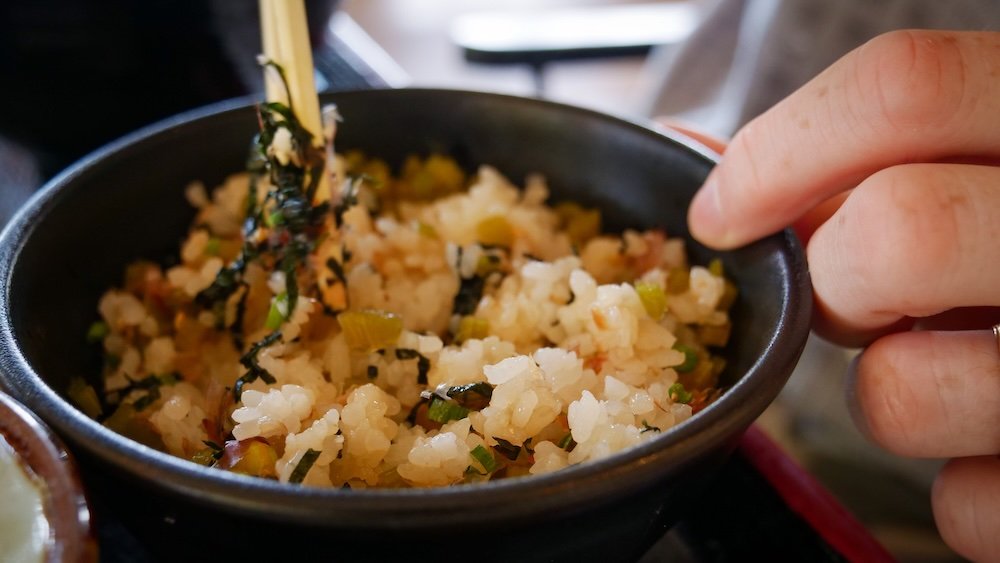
[579,369]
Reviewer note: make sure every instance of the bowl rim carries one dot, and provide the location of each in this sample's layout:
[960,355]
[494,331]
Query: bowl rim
[630,470]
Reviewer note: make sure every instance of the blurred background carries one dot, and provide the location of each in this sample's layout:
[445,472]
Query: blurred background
[78,74]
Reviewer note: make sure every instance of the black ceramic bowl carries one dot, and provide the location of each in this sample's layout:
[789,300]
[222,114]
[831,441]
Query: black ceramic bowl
[125,202]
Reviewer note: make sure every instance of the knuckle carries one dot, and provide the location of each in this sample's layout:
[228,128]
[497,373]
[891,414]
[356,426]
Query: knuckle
[910,230]
[917,78]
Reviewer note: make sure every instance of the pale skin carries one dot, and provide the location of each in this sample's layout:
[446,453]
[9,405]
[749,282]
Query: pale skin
[887,164]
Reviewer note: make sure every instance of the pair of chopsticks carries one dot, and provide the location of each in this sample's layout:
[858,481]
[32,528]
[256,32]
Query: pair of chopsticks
[285,39]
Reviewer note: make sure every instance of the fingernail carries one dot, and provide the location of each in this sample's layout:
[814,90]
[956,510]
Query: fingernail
[705,215]
[853,401]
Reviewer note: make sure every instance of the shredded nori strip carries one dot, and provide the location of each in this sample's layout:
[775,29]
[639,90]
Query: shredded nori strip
[473,396]
[506,449]
[303,466]
[337,269]
[423,364]
[254,371]
[470,291]
[372,372]
[647,428]
[151,384]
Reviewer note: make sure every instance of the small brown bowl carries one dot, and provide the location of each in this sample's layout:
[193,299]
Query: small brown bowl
[53,472]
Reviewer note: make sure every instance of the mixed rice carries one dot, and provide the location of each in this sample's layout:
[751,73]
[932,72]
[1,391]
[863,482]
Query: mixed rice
[420,329]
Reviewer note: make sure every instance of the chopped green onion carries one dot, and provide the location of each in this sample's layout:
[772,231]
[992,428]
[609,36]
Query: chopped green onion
[654,300]
[274,219]
[485,458]
[303,466]
[679,394]
[472,328]
[690,358]
[370,329]
[97,332]
[275,316]
[444,411]
[567,443]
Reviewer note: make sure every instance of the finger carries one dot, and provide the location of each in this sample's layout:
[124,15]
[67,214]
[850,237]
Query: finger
[909,96]
[929,394]
[966,500]
[807,224]
[910,241]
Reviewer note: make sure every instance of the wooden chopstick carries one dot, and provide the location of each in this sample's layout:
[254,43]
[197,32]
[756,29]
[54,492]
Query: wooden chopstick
[285,40]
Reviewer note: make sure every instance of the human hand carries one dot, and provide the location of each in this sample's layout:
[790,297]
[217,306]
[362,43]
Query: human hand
[888,166]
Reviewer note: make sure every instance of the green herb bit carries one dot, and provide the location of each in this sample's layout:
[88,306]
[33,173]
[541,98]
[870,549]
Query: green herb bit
[274,315]
[679,394]
[303,466]
[485,458]
[97,331]
[647,428]
[653,299]
[690,358]
[473,396]
[444,411]
[213,246]
[567,442]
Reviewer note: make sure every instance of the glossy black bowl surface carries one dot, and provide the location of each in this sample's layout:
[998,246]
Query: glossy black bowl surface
[125,202]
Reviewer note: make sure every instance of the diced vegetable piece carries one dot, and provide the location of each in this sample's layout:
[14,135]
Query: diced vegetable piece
[258,459]
[470,328]
[716,268]
[485,458]
[679,394]
[678,281]
[690,358]
[427,230]
[444,411]
[714,335]
[275,315]
[84,397]
[495,231]
[580,224]
[654,300]
[370,329]
[729,294]
[97,332]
